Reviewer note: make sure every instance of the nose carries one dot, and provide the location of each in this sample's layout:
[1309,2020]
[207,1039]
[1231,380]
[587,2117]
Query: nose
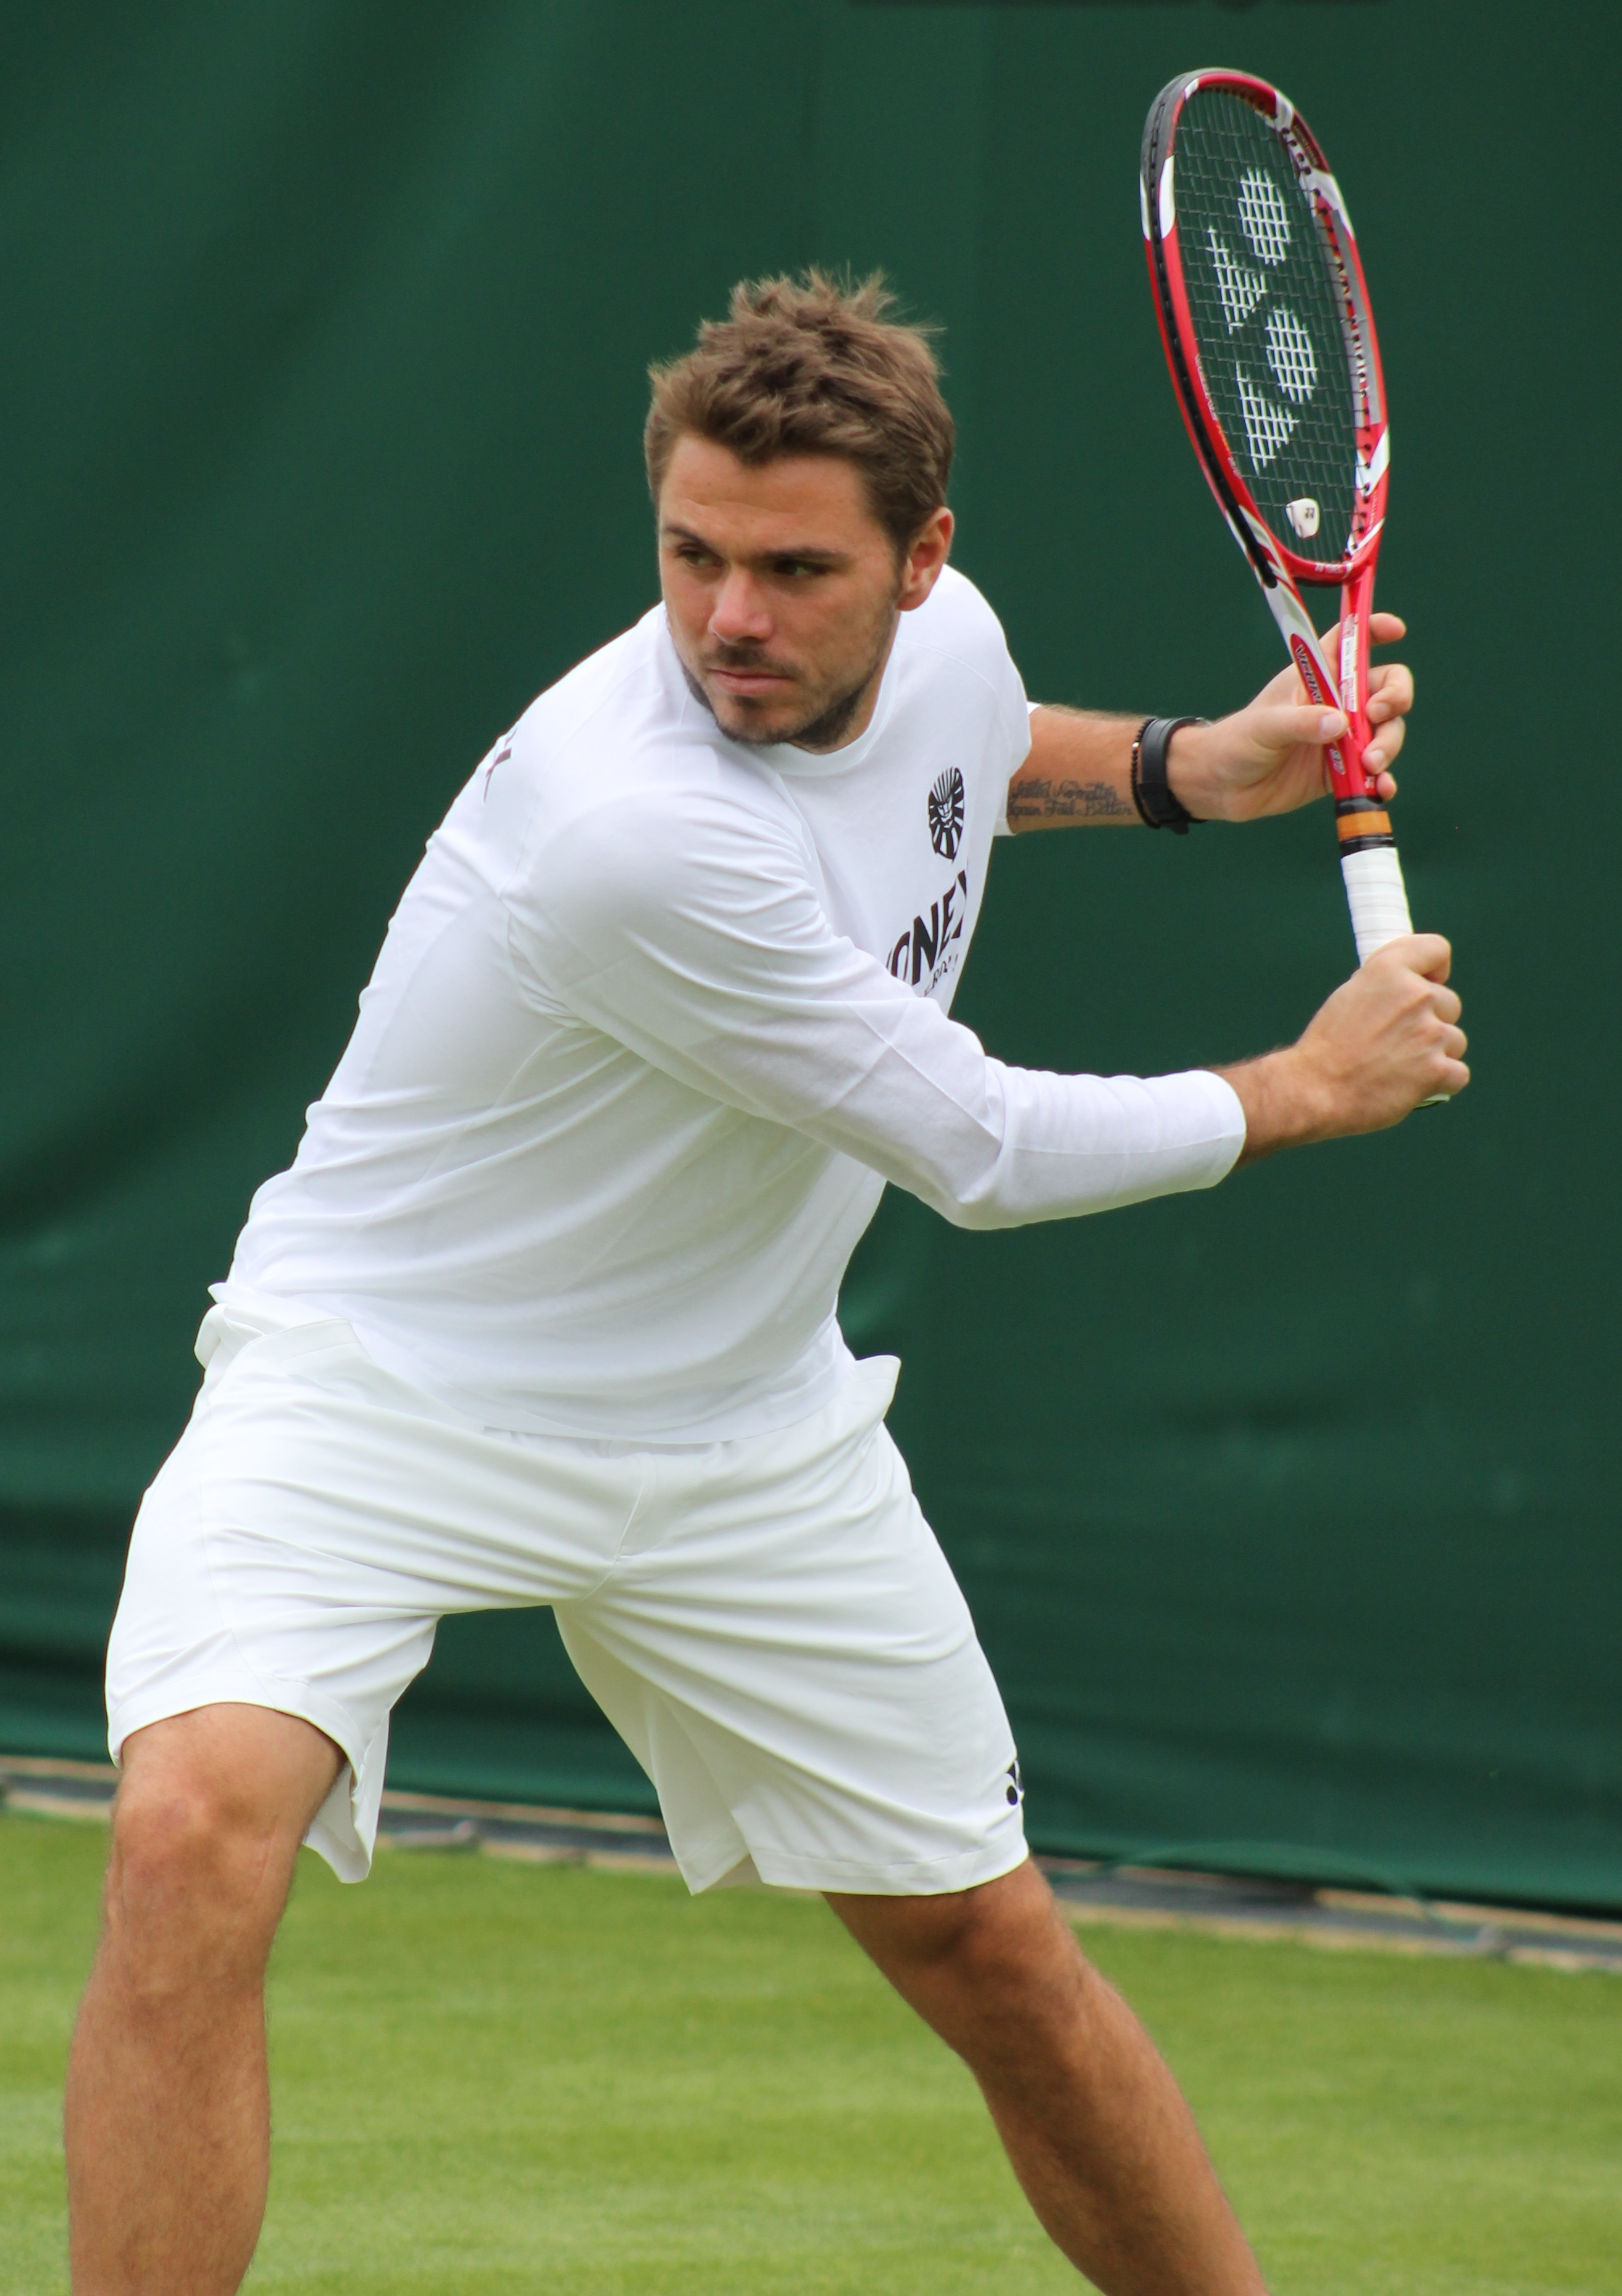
[739,616]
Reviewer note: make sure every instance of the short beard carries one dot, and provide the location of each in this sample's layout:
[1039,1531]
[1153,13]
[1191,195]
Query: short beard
[822,730]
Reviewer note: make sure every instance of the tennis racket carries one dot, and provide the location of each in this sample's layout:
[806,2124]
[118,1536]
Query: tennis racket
[1265,316]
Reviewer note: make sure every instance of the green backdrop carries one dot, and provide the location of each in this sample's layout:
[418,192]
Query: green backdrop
[1289,1514]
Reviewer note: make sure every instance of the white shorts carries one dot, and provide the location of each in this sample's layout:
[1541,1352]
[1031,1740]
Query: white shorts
[769,1623]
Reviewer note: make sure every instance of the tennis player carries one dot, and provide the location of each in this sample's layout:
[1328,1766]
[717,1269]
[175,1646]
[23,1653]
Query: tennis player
[543,1311]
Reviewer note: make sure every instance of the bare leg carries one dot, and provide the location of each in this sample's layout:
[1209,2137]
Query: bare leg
[168,2108]
[1095,2126]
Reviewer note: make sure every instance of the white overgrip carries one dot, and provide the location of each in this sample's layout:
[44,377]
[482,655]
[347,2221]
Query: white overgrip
[1379,903]
[1378,897]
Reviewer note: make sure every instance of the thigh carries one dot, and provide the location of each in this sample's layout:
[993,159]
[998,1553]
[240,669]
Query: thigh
[314,1522]
[785,1647]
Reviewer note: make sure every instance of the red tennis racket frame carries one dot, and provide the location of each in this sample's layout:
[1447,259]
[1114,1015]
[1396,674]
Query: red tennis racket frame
[1361,819]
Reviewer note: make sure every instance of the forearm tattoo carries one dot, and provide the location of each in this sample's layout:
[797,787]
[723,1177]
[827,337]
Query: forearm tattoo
[1032,799]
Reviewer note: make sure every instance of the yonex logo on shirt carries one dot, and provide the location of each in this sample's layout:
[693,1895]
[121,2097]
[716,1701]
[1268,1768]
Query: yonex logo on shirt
[946,816]
[927,940]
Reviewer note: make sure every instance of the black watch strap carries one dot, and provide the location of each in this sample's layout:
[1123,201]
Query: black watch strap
[1152,791]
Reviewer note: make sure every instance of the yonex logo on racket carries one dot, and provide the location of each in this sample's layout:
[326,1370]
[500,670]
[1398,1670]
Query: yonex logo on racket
[1290,352]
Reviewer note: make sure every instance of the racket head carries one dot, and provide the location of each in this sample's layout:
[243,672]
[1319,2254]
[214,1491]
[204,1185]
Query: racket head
[1265,315]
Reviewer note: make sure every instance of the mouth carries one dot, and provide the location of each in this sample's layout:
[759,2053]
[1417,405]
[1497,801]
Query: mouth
[751,684]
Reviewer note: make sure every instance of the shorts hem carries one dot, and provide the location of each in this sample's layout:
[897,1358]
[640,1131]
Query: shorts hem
[138,1712]
[918,1877]
[345,1842]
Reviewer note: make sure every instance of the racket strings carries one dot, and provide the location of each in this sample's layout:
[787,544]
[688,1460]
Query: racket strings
[1272,309]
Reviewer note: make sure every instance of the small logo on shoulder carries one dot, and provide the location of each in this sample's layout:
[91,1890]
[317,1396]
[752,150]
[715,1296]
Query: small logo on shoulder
[947,814]
[1016,1785]
[497,757]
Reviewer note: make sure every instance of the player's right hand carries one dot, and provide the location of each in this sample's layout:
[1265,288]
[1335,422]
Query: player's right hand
[1388,1039]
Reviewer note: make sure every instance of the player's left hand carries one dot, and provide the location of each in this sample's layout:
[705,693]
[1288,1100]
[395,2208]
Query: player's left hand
[1268,757]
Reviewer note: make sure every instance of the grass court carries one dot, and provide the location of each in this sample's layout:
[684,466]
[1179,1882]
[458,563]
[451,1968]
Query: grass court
[493,2078]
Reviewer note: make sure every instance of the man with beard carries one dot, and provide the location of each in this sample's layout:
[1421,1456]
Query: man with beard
[543,1311]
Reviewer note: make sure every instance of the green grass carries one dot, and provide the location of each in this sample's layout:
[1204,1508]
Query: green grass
[497,2077]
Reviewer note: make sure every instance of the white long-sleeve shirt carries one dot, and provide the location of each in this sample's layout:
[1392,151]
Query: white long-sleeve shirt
[655,1020]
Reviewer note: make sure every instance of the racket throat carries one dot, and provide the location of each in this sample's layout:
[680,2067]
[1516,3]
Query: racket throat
[1348,780]
[1356,607]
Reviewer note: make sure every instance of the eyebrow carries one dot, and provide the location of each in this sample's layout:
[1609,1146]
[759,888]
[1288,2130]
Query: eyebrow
[808,554]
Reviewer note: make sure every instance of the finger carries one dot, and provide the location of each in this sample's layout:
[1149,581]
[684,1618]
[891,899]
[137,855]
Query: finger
[1425,953]
[1390,691]
[1455,1044]
[1385,745]
[1286,728]
[1384,629]
[1446,1003]
[1432,956]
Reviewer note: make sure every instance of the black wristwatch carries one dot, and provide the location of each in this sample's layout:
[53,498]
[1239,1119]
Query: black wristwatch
[1151,793]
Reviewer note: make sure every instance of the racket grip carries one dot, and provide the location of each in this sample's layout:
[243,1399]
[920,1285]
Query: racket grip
[1377,898]
[1379,903]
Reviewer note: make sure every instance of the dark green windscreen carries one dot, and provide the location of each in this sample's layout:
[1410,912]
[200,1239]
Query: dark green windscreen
[1288,1513]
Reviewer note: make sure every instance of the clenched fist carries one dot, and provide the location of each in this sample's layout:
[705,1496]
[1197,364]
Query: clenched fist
[1388,1039]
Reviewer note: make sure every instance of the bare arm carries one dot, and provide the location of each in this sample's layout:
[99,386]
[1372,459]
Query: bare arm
[1079,770]
[1266,758]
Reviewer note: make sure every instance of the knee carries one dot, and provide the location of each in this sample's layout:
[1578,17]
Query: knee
[175,1832]
[1020,1950]
[994,1969]
[1004,1932]
[196,1879]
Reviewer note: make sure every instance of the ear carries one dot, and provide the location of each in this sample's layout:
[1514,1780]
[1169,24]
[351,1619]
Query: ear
[926,555]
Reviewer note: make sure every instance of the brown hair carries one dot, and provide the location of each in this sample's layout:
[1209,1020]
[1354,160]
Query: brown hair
[812,366]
